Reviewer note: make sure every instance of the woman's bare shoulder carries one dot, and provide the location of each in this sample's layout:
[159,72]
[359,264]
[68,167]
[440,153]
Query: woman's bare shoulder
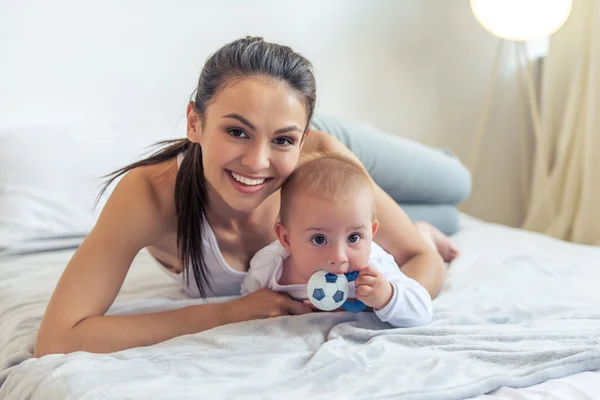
[152,187]
[319,143]
[315,142]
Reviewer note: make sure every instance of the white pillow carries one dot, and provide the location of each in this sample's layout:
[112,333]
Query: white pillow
[50,175]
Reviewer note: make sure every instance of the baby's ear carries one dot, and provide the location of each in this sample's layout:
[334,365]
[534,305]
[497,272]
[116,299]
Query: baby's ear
[375,227]
[283,236]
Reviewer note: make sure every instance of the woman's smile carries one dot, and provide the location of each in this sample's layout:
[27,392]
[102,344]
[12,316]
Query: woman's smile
[248,184]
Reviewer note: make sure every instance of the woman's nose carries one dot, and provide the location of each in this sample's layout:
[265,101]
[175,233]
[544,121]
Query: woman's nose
[256,158]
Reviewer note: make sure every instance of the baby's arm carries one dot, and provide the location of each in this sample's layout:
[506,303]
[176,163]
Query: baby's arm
[409,305]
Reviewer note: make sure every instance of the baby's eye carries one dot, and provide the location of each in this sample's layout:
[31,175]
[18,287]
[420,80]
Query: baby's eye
[283,141]
[238,133]
[354,238]
[319,240]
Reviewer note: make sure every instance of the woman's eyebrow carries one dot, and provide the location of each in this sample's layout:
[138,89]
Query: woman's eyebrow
[244,121]
[241,119]
[290,128]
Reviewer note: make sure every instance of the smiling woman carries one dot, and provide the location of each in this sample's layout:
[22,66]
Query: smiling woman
[204,205]
[253,131]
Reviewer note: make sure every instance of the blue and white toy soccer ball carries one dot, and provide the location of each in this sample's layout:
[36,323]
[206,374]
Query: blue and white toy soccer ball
[327,291]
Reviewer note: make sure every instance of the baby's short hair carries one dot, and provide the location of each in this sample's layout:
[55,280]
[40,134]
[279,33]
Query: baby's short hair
[326,176]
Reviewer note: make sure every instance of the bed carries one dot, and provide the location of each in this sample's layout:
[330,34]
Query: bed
[519,309]
[519,317]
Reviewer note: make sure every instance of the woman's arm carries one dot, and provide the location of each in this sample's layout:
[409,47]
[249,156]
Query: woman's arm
[74,319]
[397,234]
[130,221]
[399,237]
[110,333]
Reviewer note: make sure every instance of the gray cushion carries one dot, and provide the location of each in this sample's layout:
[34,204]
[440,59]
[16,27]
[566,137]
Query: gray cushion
[428,183]
[408,171]
[442,216]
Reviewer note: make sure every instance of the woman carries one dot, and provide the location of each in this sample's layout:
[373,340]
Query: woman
[204,205]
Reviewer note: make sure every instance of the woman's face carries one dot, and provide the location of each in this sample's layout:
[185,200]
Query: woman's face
[250,140]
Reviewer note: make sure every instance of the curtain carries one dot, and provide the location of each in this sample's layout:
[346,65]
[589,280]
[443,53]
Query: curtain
[564,200]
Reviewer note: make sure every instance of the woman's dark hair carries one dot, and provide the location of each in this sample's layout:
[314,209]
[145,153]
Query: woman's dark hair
[247,57]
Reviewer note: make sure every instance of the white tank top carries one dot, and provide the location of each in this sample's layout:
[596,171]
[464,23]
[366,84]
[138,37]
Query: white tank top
[225,281]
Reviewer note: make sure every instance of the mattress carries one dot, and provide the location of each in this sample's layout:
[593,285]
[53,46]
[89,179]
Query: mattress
[27,281]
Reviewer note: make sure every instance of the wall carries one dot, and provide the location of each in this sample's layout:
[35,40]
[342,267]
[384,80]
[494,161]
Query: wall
[416,68]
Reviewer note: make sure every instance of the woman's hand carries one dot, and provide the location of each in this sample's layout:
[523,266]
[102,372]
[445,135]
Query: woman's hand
[265,303]
[372,288]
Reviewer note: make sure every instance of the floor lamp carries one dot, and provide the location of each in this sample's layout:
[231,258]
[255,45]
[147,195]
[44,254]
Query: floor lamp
[519,21]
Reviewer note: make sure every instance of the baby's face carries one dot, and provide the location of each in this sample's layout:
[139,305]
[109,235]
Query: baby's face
[334,235]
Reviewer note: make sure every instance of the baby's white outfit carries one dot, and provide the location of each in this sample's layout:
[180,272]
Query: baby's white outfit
[410,304]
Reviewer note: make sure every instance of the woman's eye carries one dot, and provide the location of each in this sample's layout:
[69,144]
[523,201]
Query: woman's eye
[283,141]
[354,238]
[319,240]
[238,133]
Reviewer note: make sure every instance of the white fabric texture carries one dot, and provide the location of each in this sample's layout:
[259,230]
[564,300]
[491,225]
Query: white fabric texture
[565,192]
[510,295]
[410,304]
[50,174]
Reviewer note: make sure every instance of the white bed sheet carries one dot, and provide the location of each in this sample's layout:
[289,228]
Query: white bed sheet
[582,386]
[26,283]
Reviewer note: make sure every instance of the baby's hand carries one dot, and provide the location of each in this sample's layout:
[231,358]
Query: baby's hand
[372,288]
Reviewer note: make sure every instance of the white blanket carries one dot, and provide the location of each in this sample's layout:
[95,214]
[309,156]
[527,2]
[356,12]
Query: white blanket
[518,309]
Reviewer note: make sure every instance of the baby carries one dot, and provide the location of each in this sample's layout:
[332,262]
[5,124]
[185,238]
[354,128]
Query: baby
[327,222]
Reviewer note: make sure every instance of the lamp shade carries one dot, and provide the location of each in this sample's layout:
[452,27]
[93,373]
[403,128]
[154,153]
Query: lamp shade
[521,19]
